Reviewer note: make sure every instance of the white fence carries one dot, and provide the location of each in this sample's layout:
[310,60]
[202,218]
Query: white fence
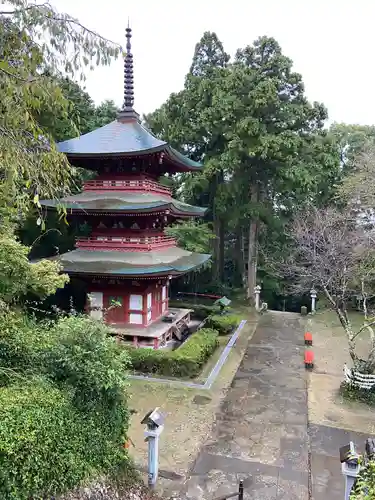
[361,380]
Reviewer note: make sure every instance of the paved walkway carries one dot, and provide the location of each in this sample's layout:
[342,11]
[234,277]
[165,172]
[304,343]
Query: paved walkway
[261,433]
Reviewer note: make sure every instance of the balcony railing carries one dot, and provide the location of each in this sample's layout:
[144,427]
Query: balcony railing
[126,244]
[129,185]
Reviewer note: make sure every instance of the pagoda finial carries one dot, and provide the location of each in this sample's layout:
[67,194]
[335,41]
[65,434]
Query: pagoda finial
[128,73]
[127,111]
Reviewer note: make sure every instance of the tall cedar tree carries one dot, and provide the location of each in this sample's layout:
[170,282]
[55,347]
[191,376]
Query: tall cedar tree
[262,143]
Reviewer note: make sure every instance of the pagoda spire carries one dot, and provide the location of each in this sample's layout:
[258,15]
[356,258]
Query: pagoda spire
[127,111]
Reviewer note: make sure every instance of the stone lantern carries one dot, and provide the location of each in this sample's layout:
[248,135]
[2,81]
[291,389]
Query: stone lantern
[313,296]
[257,290]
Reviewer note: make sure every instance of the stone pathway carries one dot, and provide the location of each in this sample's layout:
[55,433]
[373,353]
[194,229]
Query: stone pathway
[261,433]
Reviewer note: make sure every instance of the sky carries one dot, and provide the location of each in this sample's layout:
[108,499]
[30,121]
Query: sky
[331,43]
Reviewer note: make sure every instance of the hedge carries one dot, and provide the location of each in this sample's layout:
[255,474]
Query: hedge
[46,444]
[200,311]
[187,361]
[223,324]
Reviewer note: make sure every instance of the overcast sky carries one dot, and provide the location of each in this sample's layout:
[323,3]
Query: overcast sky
[331,42]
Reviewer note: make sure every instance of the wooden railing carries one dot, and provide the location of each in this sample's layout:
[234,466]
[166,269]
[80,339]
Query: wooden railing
[130,244]
[130,185]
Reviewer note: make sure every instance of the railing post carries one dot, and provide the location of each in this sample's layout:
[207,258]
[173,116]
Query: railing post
[240,491]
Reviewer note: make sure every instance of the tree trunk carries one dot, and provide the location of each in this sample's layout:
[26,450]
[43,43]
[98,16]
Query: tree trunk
[239,268]
[252,259]
[219,230]
[221,251]
[345,323]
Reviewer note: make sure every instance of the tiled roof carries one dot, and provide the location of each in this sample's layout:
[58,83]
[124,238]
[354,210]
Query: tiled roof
[114,201]
[114,138]
[169,261]
[123,137]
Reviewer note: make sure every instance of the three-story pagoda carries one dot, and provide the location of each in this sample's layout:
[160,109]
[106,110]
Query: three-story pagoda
[128,260]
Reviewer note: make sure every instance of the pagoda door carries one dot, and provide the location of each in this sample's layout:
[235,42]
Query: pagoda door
[115,309]
[158,305]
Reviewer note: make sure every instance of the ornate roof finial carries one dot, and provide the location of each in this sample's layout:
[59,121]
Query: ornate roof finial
[127,113]
[128,73]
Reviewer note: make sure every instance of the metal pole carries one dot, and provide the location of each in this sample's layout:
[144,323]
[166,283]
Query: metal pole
[151,482]
[349,482]
[240,491]
[153,454]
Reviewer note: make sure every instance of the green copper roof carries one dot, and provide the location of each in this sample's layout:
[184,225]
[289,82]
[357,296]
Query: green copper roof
[169,261]
[114,138]
[123,138]
[117,201]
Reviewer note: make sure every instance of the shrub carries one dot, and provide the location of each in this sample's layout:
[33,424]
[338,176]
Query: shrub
[22,346]
[364,487]
[200,311]
[46,444]
[88,360]
[187,361]
[223,324]
[355,393]
[70,421]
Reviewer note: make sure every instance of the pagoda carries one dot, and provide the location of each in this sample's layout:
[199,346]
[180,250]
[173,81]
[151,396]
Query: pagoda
[128,260]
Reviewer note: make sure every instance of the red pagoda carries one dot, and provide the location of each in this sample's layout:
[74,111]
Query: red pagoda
[128,261]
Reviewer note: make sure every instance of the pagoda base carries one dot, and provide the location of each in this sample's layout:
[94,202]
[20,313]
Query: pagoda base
[127,303]
[159,333]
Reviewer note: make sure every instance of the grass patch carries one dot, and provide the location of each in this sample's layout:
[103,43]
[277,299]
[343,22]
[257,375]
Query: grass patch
[211,362]
[188,421]
[352,393]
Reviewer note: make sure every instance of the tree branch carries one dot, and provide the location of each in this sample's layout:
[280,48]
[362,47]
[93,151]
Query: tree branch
[16,11]
[19,78]
[368,325]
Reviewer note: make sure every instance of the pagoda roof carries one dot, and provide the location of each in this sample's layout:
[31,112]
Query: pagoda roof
[124,202]
[123,138]
[174,261]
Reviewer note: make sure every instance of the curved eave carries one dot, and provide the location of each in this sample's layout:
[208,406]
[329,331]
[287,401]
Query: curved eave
[181,161]
[128,211]
[123,139]
[124,154]
[115,138]
[76,263]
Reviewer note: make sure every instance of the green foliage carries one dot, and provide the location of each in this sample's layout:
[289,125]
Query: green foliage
[37,42]
[263,146]
[187,361]
[105,113]
[351,140]
[47,444]
[192,235]
[208,54]
[364,488]
[22,346]
[87,360]
[200,311]
[63,411]
[81,109]
[354,393]
[19,277]
[224,324]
